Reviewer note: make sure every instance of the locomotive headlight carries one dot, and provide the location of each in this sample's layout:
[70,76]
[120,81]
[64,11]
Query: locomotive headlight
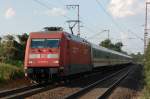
[56,61]
[30,62]
[34,56]
[26,75]
[25,67]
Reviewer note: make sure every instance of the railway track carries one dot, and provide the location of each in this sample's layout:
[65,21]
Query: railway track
[25,91]
[28,91]
[75,85]
[55,90]
[101,88]
[67,90]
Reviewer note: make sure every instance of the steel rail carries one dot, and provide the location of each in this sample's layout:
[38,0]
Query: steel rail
[16,90]
[25,91]
[109,90]
[86,89]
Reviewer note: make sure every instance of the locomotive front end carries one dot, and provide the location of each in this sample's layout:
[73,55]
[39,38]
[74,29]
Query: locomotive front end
[42,58]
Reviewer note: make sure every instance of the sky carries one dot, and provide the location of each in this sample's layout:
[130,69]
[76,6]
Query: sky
[123,18]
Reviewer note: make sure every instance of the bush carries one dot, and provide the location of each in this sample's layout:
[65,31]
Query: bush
[147,73]
[147,67]
[17,63]
[9,72]
[146,93]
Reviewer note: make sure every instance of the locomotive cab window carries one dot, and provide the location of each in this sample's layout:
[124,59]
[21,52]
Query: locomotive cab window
[45,43]
[52,43]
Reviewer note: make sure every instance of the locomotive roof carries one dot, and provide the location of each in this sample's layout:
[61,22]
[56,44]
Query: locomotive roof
[109,51]
[68,35]
[76,38]
[49,32]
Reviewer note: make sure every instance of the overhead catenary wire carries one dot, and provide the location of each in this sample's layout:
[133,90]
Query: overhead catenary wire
[110,17]
[116,24]
[136,35]
[48,7]
[93,36]
[119,27]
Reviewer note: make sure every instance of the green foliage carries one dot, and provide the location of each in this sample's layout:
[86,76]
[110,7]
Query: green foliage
[11,57]
[147,72]
[147,66]
[9,72]
[108,44]
[23,40]
[17,63]
[146,94]
[138,58]
[12,50]
[9,37]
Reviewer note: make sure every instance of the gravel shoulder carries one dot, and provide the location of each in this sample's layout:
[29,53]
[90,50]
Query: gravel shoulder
[14,84]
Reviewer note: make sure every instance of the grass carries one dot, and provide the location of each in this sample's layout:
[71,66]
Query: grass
[147,79]
[10,72]
[146,94]
[146,91]
[14,62]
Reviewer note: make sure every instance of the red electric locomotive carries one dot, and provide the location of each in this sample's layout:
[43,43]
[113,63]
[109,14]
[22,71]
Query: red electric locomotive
[56,53]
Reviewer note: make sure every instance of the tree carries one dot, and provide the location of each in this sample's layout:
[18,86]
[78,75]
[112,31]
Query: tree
[9,48]
[118,46]
[9,37]
[108,44]
[23,40]
[147,67]
[0,39]
[138,58]
[12,50]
